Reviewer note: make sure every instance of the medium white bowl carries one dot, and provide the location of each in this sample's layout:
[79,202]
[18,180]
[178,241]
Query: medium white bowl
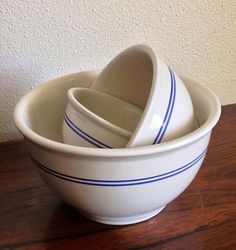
[96,119]
[138,76]
[112,186]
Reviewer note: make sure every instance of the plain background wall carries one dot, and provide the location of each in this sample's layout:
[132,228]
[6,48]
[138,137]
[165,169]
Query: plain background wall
[40,40]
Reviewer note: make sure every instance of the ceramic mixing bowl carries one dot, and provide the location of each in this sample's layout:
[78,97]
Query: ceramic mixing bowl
[96,119]
[138,76]
[112,186]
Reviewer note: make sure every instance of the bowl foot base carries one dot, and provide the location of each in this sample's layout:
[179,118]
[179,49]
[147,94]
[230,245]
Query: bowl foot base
[123,220]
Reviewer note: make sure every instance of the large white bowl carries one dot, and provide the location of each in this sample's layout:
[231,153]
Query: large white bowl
[138,76]
[113,186]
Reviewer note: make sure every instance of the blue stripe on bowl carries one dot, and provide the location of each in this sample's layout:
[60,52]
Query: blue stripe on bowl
[169,109]
[84,135]
[113,183]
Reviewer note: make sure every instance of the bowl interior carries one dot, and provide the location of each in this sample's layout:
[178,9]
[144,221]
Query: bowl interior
[129,75]
[44,111]
[104,109]
[44,107]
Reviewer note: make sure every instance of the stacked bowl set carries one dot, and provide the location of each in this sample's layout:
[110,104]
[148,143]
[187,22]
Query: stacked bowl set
[119,144]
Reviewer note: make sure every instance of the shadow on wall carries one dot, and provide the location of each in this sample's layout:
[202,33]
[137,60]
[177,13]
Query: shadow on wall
[13,85]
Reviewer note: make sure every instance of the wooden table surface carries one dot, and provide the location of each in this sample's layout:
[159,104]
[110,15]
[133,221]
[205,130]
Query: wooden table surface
[203,217]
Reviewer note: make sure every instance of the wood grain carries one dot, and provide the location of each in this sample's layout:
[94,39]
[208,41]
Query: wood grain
[203,217]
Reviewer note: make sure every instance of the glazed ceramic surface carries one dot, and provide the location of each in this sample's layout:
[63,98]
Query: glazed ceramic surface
[138,76]
[96,119]
[112,186]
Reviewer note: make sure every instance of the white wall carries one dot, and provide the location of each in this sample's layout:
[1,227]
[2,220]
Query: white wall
[40,40]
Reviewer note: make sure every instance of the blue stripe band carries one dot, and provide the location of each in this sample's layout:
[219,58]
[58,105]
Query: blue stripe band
[169,109]
[84,135]
[120,182]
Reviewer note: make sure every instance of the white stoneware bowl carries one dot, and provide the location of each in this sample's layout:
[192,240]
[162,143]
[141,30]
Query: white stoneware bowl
[138,76]
[112,186]
[96,119]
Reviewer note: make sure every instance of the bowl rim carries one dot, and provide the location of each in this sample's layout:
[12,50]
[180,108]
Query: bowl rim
[32,136]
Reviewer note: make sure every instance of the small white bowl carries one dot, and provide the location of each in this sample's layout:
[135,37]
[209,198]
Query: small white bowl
[96,119]
[138,76]
[112,186]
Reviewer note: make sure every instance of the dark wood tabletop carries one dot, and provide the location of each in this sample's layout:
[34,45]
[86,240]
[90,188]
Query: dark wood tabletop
[203,217]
